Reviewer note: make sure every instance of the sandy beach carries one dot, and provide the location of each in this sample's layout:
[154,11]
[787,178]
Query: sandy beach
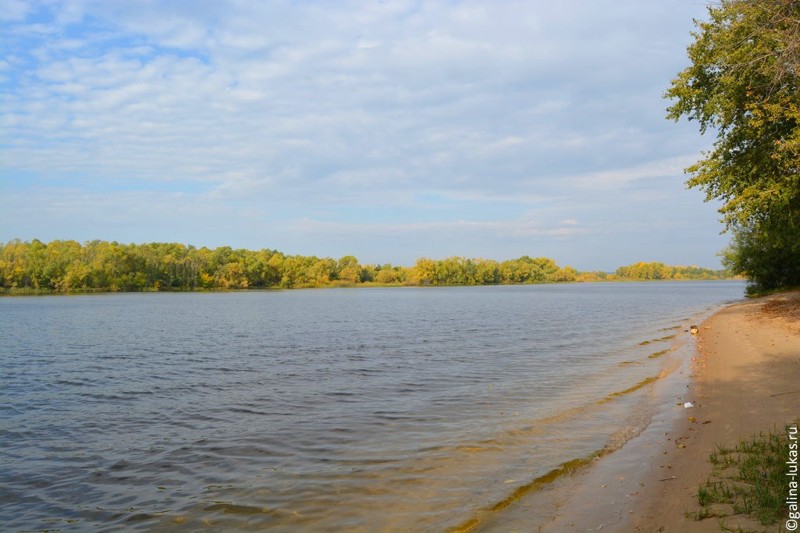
[744,378]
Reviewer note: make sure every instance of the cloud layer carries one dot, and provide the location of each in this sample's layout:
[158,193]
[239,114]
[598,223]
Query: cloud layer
[389,130]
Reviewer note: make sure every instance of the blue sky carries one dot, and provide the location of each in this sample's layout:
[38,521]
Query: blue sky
[388,130]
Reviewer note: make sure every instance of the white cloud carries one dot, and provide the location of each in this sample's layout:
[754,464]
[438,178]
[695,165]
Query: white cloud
[472,111]
[618,178]
[13,10]
[461,228]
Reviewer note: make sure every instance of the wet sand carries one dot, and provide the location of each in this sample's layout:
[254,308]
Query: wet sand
[744,378]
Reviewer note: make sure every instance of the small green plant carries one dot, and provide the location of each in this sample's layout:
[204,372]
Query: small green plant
[704,497]
[751,478]
[714,458]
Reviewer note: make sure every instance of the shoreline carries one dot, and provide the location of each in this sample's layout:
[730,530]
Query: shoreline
[746,379]
[740,380]
[24,292]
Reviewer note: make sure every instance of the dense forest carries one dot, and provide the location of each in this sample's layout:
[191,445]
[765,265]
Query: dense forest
[69,266]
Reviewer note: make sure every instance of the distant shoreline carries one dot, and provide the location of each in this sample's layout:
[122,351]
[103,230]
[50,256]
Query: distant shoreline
[69,266]
[78,292]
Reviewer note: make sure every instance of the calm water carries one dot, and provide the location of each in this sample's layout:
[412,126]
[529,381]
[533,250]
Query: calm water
[357,410]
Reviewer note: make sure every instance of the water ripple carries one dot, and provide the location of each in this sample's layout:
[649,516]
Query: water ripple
[365,410]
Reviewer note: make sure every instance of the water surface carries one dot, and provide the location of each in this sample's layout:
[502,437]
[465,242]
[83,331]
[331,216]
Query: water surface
[352,409]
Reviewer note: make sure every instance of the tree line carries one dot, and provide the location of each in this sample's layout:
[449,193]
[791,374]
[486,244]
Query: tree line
[69,266]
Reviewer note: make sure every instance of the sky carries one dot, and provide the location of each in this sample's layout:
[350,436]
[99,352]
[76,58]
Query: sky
[389,130]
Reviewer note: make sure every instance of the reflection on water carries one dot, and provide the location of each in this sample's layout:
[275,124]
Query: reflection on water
[368,409]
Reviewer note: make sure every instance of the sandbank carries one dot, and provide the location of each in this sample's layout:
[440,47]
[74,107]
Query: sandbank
[743,379]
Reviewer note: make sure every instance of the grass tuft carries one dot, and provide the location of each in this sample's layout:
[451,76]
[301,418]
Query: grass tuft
[751,477]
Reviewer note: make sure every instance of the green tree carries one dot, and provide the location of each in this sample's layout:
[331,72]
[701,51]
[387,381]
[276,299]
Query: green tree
[368,272]
[348,269]
[321,272]
[743,84]
[450,271]
[389,274]
[768,263]
[295,271]
[487,271]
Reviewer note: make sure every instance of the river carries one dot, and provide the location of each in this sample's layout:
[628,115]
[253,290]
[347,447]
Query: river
[391,409]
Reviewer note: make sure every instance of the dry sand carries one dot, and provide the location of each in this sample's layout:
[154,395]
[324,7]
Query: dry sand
[745,378]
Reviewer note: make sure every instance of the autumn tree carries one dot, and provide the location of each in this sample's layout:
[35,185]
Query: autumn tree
[68,266]
[423,272]
[348,269]
[742,84]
